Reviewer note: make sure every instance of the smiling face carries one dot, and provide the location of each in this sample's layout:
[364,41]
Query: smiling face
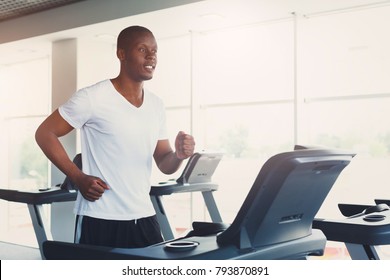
[138,56]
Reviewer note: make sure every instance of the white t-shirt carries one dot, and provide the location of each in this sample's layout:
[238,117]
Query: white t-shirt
[117,145]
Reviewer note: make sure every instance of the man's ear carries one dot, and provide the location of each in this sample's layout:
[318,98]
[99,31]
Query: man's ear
[120,53]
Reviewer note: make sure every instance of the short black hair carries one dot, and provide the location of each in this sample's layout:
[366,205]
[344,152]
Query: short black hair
[127,34]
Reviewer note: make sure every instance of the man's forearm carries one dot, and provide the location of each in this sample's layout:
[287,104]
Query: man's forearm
[170,163]
[55,152]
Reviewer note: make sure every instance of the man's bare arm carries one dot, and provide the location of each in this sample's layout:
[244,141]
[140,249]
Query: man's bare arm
[169,161]
[47,137]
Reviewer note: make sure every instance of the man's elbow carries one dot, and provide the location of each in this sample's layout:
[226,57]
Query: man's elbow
[170,166]
[38,134]
[167,171]
[42,136]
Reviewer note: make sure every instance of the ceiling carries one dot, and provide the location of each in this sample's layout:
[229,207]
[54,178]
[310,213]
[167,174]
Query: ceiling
[10,9]
[199,16]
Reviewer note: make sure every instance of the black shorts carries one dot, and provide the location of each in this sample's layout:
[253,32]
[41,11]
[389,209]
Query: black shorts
[122,234]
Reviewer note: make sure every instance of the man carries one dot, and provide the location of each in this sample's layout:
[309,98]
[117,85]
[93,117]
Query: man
[122,129]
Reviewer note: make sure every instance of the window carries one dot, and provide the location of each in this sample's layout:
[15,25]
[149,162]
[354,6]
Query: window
[346,94]
[234,89]
[26,101]
[245,91]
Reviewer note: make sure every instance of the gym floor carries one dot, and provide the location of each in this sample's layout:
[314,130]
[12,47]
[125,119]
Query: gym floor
[10,251]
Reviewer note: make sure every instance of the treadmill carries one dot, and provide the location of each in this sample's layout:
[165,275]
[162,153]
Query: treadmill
[196,177]
[274,222]
[363,228]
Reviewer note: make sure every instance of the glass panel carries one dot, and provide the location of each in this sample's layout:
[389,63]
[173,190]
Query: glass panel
[345,53]
[248,64]
[350,59]
[172,79]
[25,100]
[27,170]
[25,88]
[28,166]
[355,125]
[248,135]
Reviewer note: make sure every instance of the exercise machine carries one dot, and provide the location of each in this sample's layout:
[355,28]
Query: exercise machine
[364,228]
[274,222]
[196,177]
[36,199]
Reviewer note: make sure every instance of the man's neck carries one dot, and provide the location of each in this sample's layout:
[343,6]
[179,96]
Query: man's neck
[132,91]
